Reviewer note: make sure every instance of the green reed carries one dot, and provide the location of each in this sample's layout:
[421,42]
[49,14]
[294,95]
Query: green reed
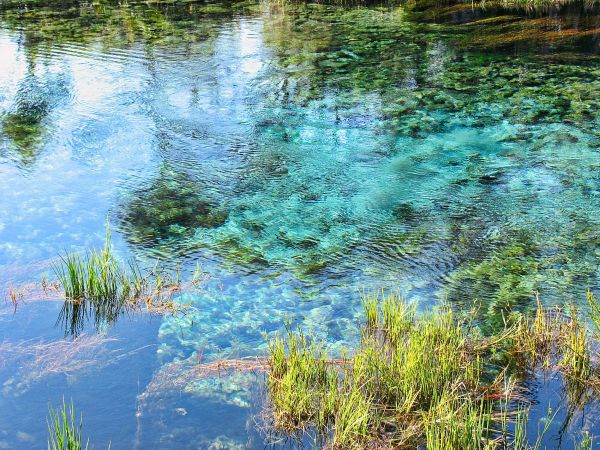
[458,423]
[403,374]
[430,380]
[98,285]
[533,5]
[586,442]
[594,310]
[353,416]
[63,429]
[98,274]
[299,378]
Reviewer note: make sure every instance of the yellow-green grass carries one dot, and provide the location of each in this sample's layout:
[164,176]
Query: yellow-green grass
[425,381]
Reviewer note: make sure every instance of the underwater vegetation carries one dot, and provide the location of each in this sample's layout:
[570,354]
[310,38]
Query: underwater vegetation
[428,380]
[24,127]
[328,58]
[37,361]
[172,207]
[503,278]
[294,212]
[361,147]
[500,283]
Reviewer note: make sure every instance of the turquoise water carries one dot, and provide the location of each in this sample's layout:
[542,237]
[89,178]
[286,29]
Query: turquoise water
[300,154]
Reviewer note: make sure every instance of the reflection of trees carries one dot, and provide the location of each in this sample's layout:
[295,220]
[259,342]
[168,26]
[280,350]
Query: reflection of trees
[23,125]
[520,25]
[178,200]
[52,22]
[26,122]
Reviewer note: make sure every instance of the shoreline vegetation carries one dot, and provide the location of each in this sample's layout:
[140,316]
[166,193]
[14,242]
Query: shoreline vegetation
[436,379]
[431,379]
[427,380]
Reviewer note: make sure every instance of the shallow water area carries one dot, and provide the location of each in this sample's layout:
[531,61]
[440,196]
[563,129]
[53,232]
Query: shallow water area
[299,154]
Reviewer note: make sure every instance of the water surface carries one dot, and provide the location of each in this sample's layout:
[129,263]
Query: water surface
[300,153]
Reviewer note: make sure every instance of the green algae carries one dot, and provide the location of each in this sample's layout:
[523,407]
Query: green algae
[503,282]
[505,279]
[172,206]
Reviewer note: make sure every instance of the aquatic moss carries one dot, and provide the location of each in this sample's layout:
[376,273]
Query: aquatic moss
[172,206]
[506,274]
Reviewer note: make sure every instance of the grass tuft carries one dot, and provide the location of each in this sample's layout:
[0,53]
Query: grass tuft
[97,284]
[594,311]
[429,381]
[99,275]
[298,380]
[64,431]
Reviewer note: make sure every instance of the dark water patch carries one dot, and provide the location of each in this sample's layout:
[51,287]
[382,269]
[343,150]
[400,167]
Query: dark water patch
[27,120]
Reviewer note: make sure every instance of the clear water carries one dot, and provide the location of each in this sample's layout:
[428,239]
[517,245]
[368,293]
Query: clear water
[299,154]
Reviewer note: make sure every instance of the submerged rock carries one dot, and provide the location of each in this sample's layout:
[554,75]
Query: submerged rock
[491,178]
